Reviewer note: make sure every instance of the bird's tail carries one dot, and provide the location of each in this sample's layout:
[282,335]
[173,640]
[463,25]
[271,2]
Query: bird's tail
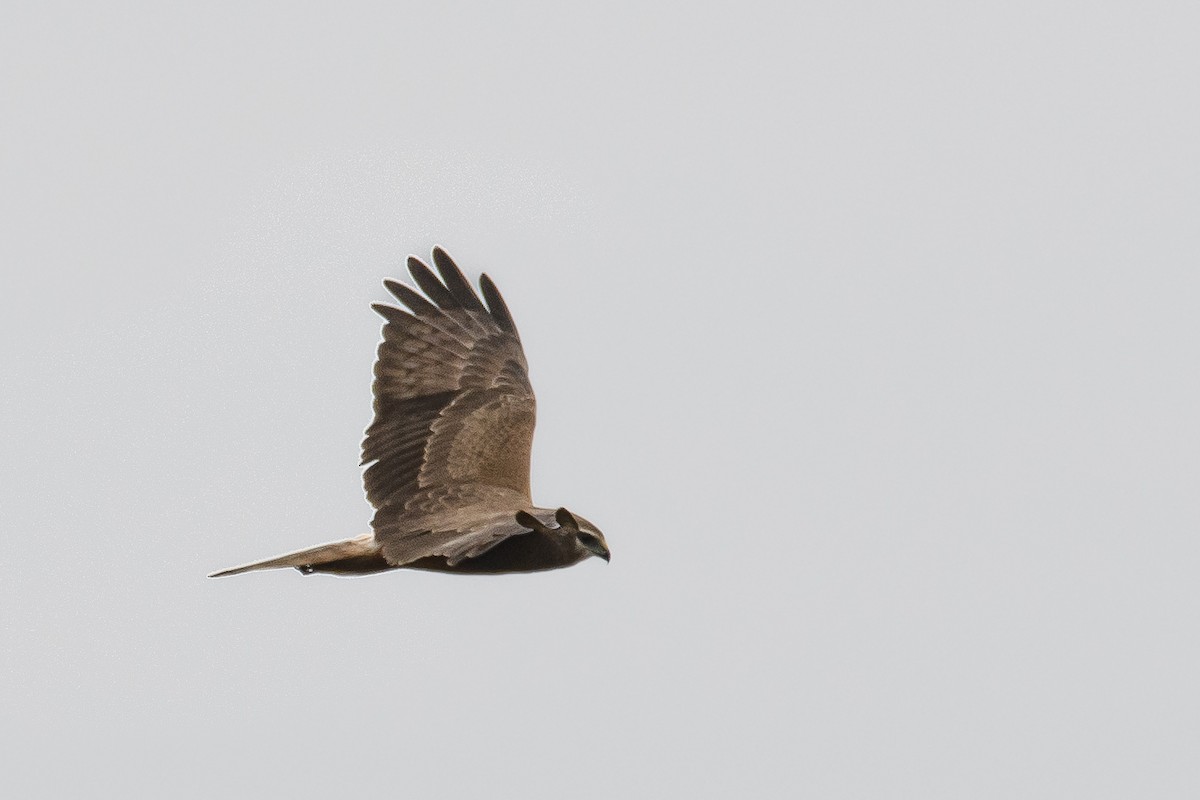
[351,556]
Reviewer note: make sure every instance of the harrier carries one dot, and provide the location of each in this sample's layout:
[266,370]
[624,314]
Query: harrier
[448,450]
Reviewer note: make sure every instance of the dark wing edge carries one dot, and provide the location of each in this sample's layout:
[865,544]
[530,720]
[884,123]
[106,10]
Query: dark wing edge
[497,306]
[449,293]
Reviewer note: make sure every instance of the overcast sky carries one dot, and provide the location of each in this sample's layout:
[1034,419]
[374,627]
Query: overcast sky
[866,332]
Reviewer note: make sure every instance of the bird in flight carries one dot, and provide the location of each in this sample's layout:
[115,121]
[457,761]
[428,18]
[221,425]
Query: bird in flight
[447,454]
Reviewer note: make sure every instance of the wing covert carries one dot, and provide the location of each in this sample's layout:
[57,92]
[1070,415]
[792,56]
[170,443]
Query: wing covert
[456,524]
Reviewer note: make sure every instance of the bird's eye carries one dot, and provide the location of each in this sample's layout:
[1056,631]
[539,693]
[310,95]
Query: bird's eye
[587,540]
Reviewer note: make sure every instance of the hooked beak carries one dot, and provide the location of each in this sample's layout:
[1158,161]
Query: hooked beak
[600,551]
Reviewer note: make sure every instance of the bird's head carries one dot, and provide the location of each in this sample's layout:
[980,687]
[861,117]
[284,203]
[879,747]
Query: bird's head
[585,536]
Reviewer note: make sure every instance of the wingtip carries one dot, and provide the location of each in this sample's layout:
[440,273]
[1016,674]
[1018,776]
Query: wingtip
[430,284]
[390,313]
[496,305]
[456,282]
[418,269]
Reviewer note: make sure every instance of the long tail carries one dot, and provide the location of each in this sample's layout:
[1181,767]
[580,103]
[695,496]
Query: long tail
[357,555]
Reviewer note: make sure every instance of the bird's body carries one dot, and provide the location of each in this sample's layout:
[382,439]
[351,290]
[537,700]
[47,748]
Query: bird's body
[448,451]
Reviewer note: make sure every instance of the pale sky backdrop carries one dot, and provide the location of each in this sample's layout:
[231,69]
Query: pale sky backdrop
[867,332]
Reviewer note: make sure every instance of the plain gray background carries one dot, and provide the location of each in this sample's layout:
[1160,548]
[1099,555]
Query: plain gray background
[866,332]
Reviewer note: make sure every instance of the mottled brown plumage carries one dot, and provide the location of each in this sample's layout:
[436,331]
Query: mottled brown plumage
[447,454]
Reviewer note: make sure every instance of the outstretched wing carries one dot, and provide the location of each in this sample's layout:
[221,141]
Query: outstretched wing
[453,404]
